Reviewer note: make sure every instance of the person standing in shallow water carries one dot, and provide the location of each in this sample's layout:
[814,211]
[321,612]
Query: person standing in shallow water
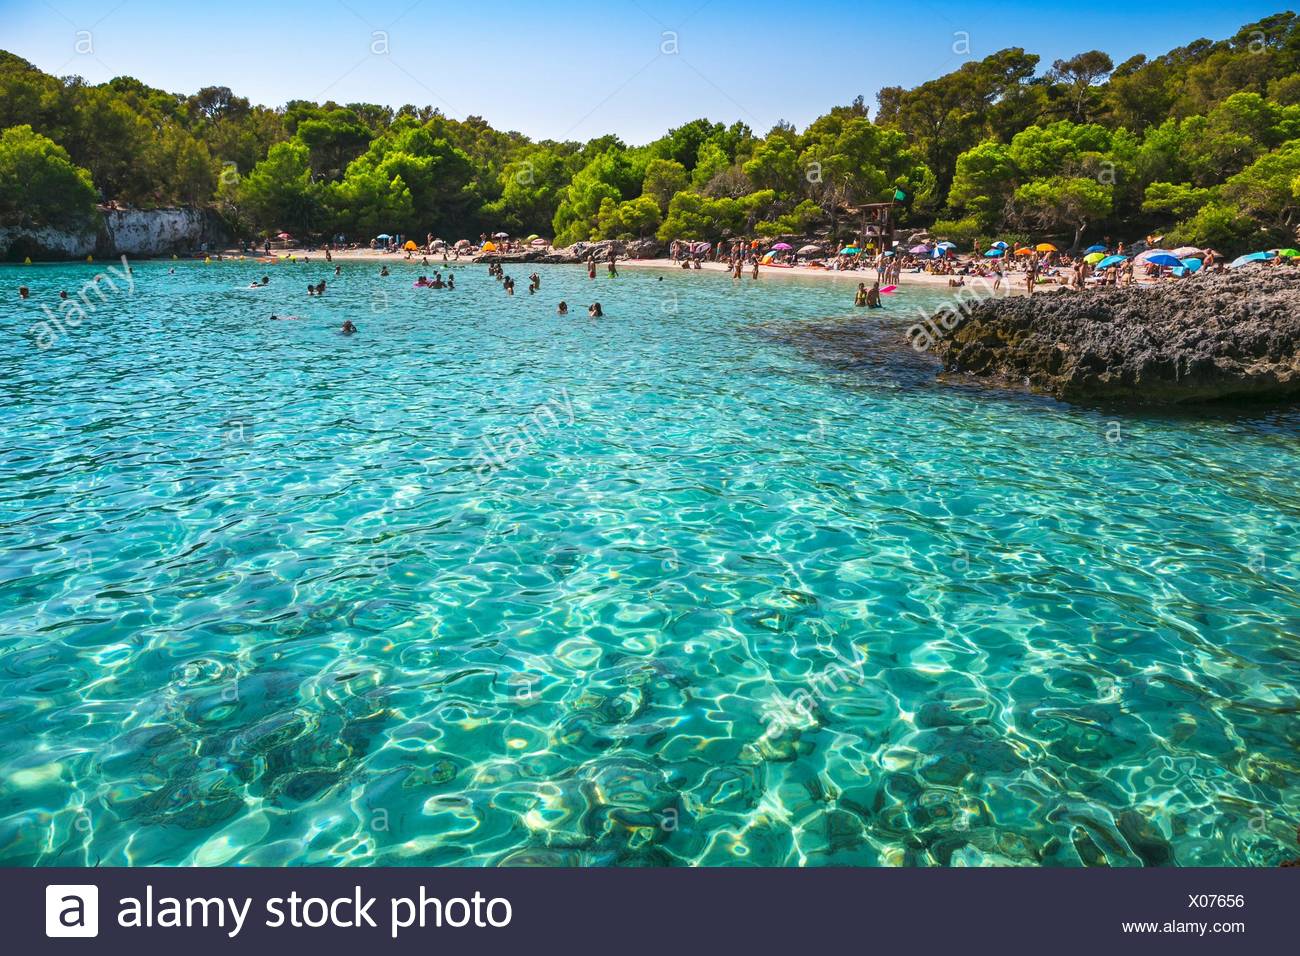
[860,297]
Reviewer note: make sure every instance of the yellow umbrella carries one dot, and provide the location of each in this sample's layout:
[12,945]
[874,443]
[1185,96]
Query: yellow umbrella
[489,247]
[1046,247]
[410,245]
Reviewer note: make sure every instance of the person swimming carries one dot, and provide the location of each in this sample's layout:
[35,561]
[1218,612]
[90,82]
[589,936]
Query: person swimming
[23,292]
[535,281]
[594,311]
[348,328]
[320,287]
[451,281]
[266,280]
[562,308]
[311,289]
[383,271]
[338,271]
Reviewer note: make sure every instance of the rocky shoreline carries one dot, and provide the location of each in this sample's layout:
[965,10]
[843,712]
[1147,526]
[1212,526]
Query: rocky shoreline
[1233,337]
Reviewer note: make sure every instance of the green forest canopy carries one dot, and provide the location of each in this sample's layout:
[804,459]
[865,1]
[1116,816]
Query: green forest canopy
[1202,142]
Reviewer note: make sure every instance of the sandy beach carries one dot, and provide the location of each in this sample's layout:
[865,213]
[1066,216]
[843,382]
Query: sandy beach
[435,261]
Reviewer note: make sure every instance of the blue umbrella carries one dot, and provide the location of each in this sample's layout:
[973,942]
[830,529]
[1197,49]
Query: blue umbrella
[1000,245]
[1111,261]
[1165,259]
[993,254]
[1192,264]
[1092,249]
[1250,257]
[383,235]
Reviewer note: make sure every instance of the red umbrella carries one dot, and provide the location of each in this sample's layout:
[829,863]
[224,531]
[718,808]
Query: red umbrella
[284,235]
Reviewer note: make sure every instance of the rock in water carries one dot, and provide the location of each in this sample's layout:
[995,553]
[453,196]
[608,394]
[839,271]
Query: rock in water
[1202,339]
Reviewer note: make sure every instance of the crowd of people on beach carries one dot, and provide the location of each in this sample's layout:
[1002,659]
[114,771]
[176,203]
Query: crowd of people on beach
[1043,265]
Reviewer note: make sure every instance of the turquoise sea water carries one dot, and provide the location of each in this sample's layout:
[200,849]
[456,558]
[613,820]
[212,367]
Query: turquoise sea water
[699,583]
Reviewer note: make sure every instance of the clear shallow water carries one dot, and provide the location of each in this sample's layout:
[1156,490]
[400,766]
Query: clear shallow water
[735,596]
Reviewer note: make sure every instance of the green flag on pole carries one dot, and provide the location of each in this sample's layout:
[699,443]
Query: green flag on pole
[899,195]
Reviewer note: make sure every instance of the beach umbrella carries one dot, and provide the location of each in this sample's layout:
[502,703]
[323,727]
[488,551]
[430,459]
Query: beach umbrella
[994,254]
[1192,264]
[1162,258]
[1249,258]
[1000,245]
[767,258]
[1045,247]
[1111,261]
[500,235]
[410,245]
[539,241]
[1093,258]
[1188,252]
[782,247]
[850,251]
[1024,252]
[532,237]
[919,250]
[284,235]
[383,235]
[463,244]
[1288,253]
[489,247]
[946,245]
[1092,249]
[810,250]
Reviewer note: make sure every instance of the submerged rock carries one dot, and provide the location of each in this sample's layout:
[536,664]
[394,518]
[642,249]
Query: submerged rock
[1202,339]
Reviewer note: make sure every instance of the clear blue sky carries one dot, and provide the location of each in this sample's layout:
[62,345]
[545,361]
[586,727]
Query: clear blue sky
[574,70]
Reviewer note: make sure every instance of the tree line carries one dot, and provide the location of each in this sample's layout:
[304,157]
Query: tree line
[1201,143]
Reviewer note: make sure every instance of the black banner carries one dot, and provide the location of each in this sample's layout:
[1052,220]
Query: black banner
[644,911]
